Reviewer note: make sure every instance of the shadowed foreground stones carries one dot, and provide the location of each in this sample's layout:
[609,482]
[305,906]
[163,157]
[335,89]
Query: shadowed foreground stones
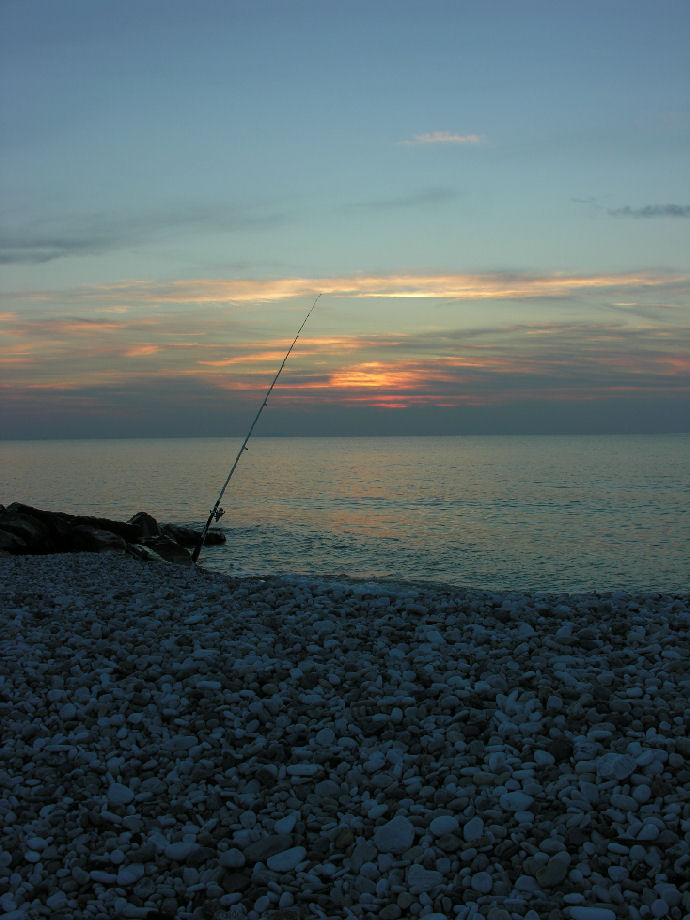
[181,745]
[25,530]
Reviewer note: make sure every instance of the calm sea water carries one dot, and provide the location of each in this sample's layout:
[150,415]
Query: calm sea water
[526,513]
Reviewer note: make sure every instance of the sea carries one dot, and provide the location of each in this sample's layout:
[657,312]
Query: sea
[501,513]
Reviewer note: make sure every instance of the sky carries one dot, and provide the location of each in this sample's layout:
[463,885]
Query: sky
[491,197]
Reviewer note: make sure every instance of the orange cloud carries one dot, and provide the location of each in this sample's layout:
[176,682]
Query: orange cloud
[208,350]
[375,374]
[138,351]
[272,356]
[451,286]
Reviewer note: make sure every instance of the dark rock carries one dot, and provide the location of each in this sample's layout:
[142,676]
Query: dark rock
[265,777]
[320,849]
[168,549]
[234,881]
[682,746]
[27,530]
[59,523]
[561,749]
[189,536]
[449,843]
[94,540]
[215,538]
[576,837]
[148,525]
[12,544]
[344,838]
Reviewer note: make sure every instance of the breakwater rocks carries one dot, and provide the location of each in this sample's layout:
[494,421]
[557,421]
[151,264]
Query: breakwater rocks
[182,745]
[27,530]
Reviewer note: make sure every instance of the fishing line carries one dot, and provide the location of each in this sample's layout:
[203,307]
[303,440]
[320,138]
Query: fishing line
[217,512]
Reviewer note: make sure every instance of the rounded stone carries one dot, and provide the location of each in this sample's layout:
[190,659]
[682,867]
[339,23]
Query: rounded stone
[231,859]
[327,787]
[396,836]
[583,912]
[68,711]
[287,860]
[119,794]
[180,851]
[286,825]
[444,824]
[325,737]
[474,829]
[648,832]
[482,882]
[553,873]
[248,819]
[130,875]
[516,800]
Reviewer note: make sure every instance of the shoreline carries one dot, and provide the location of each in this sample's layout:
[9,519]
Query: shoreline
[183,741]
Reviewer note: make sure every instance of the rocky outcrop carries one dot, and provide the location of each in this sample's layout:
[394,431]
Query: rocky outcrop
[187,536]
[25,530]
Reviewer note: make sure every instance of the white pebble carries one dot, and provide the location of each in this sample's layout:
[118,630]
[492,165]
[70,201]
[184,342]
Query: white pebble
[118,794]
[181,850]
[303,769]
[582,912]
[325,737]
[287,824]
[396,836]
[474,829]
[37,843]
[482,882]
[130,875]
[516,800]
[231,859]
[287,860]
[444,824]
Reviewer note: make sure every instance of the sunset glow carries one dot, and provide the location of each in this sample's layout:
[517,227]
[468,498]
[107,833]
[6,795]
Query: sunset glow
[488,222]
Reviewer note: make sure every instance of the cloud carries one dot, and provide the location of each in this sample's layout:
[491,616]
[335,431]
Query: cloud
[444,137]
[139,351]
[447,363]
[97,233]
[174,339]
[161,366]
[652,210]
[448,286]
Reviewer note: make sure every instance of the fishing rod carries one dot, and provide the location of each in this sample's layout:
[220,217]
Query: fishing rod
[217,512]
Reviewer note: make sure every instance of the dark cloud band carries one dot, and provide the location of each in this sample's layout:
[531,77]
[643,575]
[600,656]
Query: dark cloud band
[652,210]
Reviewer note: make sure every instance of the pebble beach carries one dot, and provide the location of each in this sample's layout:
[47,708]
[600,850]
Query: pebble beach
[183,744]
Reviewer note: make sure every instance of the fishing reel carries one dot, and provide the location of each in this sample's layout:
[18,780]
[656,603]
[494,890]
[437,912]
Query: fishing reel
[218,514]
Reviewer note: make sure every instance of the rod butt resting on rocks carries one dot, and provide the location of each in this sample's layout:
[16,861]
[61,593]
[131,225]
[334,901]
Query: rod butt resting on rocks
[217,512]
